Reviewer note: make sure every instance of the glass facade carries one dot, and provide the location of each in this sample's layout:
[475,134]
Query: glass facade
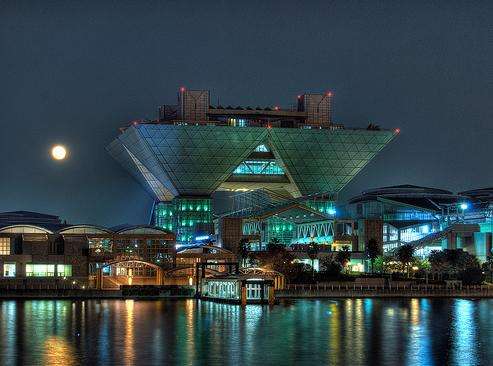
[194,160]
[261,167]
[261,148]
[279,229]
[4,246]
[325,207]
[185,217]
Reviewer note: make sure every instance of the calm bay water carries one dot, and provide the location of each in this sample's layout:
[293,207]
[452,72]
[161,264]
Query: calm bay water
[310,332]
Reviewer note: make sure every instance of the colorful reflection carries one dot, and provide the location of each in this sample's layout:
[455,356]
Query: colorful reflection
[303,332]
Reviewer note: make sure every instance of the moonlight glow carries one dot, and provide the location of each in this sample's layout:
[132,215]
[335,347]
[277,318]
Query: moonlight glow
[58,152]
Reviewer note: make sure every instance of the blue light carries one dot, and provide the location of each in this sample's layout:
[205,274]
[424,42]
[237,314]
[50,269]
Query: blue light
[203,237]
[331,211]
[464,206]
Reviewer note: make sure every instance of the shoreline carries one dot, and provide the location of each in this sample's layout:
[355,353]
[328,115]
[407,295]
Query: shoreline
[280,295]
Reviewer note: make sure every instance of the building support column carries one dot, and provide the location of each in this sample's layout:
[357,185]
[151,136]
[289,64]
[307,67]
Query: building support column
[271,295]
[159,276]
[243,294]
[488,243]
[451,240]
[99,279]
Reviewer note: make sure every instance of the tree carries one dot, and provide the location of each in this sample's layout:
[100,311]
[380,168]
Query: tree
[472,276]
[451,261]
[343,256]
[405,255]
[244,250]
[487,267]
[274,246]
[276,258]
[372,251]
[312,252]
[329,267]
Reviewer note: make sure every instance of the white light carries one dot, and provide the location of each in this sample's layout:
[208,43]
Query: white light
[59,152]
[464,206]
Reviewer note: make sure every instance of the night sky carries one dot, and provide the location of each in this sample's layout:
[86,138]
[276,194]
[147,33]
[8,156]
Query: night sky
[73,72]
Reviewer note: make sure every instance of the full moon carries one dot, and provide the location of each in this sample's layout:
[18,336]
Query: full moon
[58,152]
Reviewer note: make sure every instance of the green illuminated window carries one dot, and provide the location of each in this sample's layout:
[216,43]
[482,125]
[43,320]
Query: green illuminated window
[262,167]
[40,270]
[261,148]
[64,270]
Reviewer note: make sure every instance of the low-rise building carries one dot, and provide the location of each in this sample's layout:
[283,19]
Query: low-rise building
[41,250]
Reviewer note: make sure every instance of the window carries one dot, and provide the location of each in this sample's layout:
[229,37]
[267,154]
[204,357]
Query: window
[9,270]
[64,270]
[263,167]
[4,246]
[253,291]
[40,270]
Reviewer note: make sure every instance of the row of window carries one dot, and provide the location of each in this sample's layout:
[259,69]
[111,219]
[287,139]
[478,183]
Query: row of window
[39,270]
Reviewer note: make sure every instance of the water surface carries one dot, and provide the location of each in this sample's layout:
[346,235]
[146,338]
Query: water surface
[305,332]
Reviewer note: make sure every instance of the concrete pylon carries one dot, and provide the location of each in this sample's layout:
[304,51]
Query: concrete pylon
[159,276]
[99,279]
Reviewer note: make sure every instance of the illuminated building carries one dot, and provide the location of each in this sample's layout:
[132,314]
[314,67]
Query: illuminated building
[427,218]
[194,149]
[41,251]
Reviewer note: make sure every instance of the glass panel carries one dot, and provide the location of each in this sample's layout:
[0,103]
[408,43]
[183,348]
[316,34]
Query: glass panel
[40,270]
[64,270]
[4,246]
[263,167]
[9,270]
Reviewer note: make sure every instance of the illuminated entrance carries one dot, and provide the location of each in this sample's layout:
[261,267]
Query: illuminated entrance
[128,272]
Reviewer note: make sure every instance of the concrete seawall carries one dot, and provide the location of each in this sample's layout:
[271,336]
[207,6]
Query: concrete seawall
[314,291]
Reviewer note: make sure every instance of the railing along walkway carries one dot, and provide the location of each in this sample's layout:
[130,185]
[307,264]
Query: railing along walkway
[394,289]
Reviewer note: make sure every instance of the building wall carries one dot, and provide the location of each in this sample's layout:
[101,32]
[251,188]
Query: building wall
[370,229]
[194,104]
[42,249]
[231,233]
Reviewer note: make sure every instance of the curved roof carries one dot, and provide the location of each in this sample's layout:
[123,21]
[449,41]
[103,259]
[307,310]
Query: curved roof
[85,229]
[406,189]
[480,194]
[139,229]
[25,229]
[203,248]
[406,192]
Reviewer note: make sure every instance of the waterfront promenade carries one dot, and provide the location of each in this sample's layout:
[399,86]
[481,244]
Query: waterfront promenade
[291,291]
[351,290]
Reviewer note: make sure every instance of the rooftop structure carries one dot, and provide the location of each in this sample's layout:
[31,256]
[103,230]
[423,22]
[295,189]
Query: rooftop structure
[194,149]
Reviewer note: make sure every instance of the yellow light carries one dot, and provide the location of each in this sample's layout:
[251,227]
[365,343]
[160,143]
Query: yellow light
[59,152]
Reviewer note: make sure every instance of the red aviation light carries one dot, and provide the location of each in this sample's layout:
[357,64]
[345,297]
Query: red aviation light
[329,94]
[276,108]
[397,130]
[182,89]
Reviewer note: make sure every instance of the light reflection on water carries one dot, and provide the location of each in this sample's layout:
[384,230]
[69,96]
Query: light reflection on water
[349,331]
